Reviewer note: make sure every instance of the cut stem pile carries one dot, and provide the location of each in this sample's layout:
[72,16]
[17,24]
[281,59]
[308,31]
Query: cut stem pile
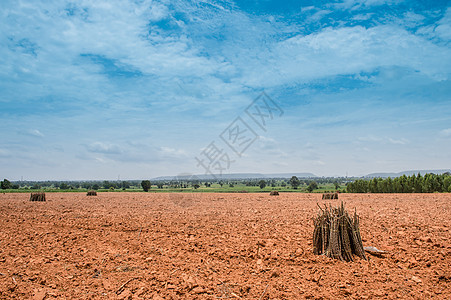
[337,235]
[37,197]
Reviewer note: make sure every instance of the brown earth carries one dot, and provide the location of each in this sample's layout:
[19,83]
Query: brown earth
[218,246]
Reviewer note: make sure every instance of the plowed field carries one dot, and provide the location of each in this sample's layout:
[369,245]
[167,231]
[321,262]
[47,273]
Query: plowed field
[218,246]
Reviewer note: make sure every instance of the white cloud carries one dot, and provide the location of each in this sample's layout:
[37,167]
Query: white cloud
[253,53]
[318,162]
[307,8]
[4,153]
[31,132]
[348,50]
[383,140]
[357,4]
[401,141]
[105,148]
[443,30]
[269,146]
[362,17]
[370,138]
[445,132]
[100,160]
[171,152]
[317,16]
[36,132]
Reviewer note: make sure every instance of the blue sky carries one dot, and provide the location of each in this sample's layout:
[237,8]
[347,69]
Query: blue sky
[139,89]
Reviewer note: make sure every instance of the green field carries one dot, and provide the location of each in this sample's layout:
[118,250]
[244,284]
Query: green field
[214,188]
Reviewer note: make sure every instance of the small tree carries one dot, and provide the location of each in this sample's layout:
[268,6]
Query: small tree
[64,186]
[447,184]
[196,186]
[337,185]
[312,186]
[295,182]
[146,185]
[5,184]
[262,184]
[36,186]
[125,184]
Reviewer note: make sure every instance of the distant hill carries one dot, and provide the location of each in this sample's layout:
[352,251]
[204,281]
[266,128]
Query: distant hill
[238,176]
[407,173]
[235,176]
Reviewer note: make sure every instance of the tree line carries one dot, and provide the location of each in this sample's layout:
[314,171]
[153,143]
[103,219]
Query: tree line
[309,184]
[429,183]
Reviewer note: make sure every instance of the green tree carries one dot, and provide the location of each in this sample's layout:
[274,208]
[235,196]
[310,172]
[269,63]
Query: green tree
[146,185]
[418,187]
[5,184]
[428,184]
[389,186]
[312,186]
[63,186]
[262,184]
[125,184]
[36,186]
[376,186]
[337,185]
[397,187]
[447,184]
[295,182]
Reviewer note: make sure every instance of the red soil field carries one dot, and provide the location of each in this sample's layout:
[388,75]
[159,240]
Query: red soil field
[218,246]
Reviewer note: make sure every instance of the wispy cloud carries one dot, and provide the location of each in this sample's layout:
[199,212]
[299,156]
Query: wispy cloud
[383,140]
[401,141]
[31,132]
[357,4]
[171,152]
[446,132]
[4,153]
[105,148]
[443,30]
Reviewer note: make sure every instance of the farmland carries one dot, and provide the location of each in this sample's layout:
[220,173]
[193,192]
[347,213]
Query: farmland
[218,246]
